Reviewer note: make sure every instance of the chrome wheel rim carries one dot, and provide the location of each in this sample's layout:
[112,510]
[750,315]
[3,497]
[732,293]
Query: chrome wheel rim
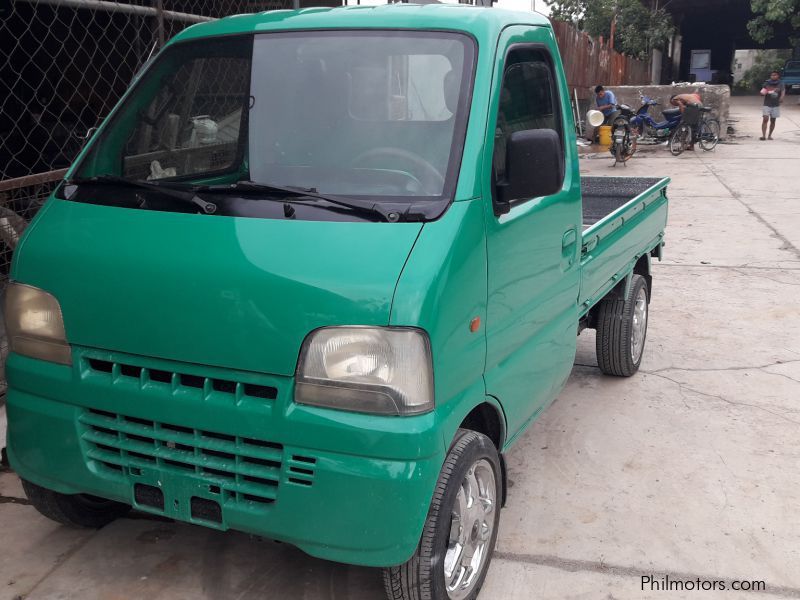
[471,528]
[639,326]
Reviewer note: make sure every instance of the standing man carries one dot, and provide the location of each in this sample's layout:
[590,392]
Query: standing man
[773,92]
[606,104]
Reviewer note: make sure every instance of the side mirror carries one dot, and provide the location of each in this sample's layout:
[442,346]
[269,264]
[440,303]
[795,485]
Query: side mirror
[534,167]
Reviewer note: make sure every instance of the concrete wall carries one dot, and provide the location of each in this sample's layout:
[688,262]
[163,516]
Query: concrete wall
[742,61]
[718,97]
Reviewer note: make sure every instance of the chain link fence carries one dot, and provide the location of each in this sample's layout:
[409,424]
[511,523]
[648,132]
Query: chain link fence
[63,66]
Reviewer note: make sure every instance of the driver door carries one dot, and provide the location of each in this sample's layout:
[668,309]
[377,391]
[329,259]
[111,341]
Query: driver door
[532,250]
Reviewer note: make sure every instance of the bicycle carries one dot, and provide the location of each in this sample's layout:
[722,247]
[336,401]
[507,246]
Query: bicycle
[696,126]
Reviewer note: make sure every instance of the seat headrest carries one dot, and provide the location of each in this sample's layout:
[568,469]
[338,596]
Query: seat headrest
[451,89]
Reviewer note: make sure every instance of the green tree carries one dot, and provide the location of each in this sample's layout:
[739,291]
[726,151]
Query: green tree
[768,13]
[638,29]
[567,10]
[765,63]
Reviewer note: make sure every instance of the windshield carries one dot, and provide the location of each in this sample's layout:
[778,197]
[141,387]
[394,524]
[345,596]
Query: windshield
[375,114]
[792,67]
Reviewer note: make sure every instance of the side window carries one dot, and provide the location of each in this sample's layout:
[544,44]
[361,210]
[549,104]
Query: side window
[192,124]
[528,100]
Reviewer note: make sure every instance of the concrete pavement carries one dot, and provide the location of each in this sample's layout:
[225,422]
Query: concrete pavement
[691,469]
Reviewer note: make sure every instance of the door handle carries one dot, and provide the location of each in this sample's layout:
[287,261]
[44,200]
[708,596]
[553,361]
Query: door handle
[568,241]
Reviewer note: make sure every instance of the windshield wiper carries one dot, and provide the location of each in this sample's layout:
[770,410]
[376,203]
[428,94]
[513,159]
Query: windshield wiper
[281,192]
[187,197]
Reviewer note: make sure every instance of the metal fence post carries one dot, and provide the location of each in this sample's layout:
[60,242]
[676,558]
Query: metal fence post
[160,22]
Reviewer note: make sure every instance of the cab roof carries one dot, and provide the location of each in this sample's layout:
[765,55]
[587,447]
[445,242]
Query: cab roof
[478,21]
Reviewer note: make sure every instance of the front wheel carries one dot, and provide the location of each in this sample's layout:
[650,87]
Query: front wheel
[709,134]
[78,510]
[460,532]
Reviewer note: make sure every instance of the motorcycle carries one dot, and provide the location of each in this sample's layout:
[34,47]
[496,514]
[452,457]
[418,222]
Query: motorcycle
[647,126]
[630,126]
[623,137]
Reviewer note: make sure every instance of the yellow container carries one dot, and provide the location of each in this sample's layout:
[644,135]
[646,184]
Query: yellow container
[605,135]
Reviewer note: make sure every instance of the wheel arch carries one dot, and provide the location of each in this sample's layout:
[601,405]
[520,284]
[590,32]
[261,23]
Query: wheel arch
[488,418]
[642,267]
[620,291]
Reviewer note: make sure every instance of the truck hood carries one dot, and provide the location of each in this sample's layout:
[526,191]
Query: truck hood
[229,292]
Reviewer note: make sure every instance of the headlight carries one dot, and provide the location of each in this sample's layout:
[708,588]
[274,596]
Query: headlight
[34,324]
[379,370]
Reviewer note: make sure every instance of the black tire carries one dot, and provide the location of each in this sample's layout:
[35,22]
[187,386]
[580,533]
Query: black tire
[615,330]
[680,139]
[79,510]
[619,156]
[623,152]
[634,141]
[422,577]
[709,134]
[629,148]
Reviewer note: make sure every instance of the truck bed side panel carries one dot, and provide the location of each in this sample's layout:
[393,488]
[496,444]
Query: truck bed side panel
[612,245]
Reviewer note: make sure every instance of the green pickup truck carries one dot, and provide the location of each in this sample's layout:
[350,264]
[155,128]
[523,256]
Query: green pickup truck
[312,278]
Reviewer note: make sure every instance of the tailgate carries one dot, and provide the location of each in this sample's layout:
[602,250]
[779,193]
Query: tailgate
[612,244]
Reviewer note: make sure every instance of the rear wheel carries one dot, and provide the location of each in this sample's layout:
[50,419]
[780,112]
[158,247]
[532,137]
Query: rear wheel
[460,532]
[618,152]
[629,149]
[625,149]
[622,330]
[709,134]
[680,140]
[78,510]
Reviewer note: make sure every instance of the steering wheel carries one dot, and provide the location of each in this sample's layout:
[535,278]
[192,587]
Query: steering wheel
[431,180]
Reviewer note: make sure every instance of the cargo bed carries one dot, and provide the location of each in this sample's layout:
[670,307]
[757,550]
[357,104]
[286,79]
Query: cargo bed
[604,195]
[623,219]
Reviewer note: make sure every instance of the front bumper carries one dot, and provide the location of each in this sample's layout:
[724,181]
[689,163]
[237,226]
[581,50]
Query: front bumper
[211,447]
